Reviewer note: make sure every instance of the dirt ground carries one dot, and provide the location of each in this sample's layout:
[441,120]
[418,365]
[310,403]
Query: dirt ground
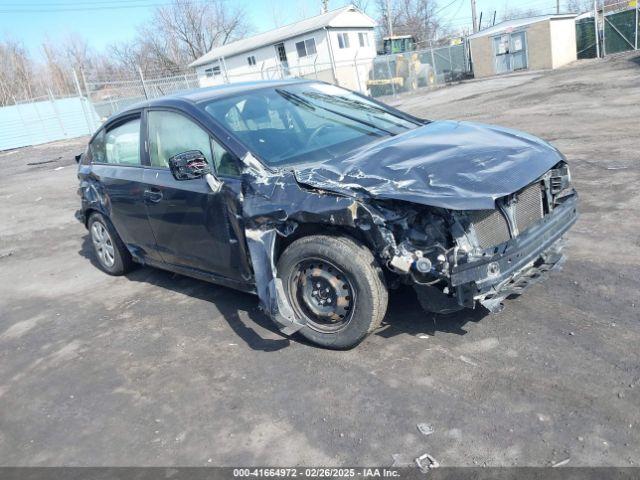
[158,369]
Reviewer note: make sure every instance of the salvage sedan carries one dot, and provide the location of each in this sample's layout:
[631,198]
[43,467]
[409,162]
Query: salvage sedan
[320,200]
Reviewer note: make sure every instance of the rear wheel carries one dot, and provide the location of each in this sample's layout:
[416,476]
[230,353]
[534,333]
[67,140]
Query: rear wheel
[336,286]
[112,255]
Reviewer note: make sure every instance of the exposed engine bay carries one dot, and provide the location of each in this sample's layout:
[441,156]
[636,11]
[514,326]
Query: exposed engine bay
[435,245]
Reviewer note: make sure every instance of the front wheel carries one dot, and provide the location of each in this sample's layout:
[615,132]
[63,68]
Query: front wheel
[336,286]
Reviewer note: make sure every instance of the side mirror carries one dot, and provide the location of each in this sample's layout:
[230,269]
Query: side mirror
[189,165]
[78,157]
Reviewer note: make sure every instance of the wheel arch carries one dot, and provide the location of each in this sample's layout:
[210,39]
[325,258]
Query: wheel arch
[307,229]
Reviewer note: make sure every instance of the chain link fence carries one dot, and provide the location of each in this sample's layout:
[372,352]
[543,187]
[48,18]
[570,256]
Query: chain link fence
[613,28]
[383,75]
[110,96]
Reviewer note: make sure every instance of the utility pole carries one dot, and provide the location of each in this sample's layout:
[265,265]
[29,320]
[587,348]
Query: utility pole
[325,6]
[389,22]
[474,16]
[558,7]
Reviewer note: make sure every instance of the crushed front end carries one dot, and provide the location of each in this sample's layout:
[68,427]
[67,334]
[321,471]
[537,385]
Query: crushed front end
[459,258]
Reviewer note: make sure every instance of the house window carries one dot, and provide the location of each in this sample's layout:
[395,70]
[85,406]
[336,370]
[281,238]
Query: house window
[213,71]
[251,60]
[343,40]
[307,47]
[363,39]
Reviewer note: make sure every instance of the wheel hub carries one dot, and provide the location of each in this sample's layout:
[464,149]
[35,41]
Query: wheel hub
[103,244]
[324,295]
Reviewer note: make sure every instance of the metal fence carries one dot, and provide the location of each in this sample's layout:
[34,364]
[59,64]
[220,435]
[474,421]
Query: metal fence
[621,31]
[110,96]
[610,29]
[382,75]
[46,119]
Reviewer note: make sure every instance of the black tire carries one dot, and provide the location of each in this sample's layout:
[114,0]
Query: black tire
[365,279]
[122,261]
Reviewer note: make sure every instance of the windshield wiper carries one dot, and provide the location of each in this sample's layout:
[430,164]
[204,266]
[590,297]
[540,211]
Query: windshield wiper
[356,104]
[296,98]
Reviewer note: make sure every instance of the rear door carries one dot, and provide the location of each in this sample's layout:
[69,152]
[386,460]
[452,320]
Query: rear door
[193,226]
[117,175]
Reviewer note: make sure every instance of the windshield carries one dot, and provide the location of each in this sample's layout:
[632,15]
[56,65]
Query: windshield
[303,123]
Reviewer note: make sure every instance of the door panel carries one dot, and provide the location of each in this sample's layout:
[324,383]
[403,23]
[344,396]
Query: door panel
[501,52]
[116,171]
[518,51]
[189,221]
[510,52]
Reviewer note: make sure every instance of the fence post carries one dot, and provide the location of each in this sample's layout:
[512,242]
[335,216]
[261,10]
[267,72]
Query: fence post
[595,26]
[54,105]
[393,86]
[433,62]
[144,88]
[81,98]
[355,65]
[636,42]
[90,102]
[604,30]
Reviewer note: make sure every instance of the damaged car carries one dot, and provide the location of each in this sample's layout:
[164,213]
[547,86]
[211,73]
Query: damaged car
[321,200]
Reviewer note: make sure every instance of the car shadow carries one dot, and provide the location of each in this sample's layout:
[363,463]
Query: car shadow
[404,314]
[231,304]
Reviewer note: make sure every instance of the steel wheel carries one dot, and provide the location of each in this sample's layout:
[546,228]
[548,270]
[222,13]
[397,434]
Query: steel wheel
[103,244]
[323,294]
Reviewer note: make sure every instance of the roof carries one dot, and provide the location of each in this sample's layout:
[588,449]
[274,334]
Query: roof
[198,95]
[348,16]
[517,23]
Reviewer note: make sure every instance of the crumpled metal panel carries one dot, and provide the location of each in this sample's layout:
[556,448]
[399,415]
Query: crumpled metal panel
[455,165]
[274,204]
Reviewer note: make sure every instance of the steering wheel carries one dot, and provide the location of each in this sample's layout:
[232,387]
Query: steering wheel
[317,132]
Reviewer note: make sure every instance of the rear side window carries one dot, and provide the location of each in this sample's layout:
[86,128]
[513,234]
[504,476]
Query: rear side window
[119,145]
[172,133]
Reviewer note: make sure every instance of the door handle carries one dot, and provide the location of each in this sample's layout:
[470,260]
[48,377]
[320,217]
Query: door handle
[153,195]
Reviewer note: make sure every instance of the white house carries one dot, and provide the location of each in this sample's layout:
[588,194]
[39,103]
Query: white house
[327,47]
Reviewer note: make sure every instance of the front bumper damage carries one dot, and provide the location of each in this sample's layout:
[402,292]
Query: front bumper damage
[517,264]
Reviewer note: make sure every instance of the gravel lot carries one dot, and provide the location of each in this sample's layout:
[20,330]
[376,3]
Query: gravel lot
[159,369]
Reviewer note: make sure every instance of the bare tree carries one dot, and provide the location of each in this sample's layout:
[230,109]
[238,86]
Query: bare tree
[179,34]
[579,6]
[191,29]
[410,17]
[77,51]
[16,72]
[509,13]
[57,67]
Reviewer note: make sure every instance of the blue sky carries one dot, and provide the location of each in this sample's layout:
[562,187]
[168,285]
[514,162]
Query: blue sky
[107,21]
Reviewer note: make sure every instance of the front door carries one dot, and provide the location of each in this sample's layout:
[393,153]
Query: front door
[192,224]
[282,57]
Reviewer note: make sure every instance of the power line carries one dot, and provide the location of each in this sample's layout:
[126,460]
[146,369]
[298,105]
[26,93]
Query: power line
[93,7]
[446,6]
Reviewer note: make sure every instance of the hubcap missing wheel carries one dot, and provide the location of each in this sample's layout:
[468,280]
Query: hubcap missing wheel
[323,294]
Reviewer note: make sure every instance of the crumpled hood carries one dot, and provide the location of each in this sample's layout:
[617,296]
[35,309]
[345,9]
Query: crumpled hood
[456,165]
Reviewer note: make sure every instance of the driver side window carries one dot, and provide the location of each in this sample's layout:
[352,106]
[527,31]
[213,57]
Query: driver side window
[172,133]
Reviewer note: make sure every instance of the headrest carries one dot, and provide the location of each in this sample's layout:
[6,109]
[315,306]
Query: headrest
[255,108]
